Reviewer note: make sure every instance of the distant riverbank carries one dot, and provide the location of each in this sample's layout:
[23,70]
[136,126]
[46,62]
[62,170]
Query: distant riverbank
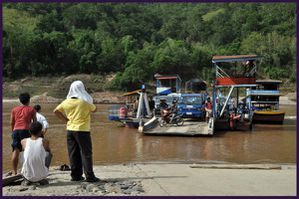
[54,89]
[115,98]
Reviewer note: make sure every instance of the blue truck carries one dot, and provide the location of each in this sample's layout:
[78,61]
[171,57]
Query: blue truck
[192,105]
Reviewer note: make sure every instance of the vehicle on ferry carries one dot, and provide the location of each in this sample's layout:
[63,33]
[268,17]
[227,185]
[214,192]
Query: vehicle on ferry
[192,105]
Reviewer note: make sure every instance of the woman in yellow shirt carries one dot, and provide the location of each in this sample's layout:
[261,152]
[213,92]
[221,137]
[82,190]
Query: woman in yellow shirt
[75,111]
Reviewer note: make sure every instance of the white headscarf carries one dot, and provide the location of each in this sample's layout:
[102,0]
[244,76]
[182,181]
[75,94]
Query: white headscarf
[77,90]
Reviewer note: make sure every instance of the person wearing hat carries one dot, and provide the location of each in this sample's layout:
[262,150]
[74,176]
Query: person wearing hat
[75,110]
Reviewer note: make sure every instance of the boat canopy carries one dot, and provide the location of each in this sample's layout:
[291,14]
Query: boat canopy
[132,92]
[268,81]
[160,77]
[234,58]
[166,84]
[196,84]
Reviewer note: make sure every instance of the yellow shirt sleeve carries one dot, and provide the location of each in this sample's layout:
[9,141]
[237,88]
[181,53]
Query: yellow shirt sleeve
[59,107]
[92,107]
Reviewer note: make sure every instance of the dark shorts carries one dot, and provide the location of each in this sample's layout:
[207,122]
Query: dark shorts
[17,136]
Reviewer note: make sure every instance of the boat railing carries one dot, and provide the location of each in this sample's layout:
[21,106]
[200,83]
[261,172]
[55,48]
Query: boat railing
[264,102]
[263,92]
[235,80]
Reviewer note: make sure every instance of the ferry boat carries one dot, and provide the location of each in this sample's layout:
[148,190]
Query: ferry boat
[234,74]
[264,101]
[135,109]
[168,87]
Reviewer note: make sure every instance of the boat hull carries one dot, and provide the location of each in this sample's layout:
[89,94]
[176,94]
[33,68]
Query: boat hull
[225,124]
[272,117]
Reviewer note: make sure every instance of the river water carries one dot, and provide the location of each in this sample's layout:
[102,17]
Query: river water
[113,144]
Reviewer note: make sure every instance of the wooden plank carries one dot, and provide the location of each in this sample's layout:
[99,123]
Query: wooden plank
[10,179]
[251,166]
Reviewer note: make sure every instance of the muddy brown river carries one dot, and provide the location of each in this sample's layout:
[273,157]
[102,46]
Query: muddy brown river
[113,144]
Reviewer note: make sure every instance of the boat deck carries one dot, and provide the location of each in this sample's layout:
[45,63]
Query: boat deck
[189,128]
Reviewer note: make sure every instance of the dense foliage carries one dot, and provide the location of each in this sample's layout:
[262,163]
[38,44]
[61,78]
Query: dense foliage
[135,41]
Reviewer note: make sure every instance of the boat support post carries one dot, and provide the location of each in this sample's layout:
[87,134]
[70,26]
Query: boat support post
[143,101]
[226,101]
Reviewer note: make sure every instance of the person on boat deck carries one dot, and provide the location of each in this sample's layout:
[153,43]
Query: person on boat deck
[164,106]
[151,103]
[123,112]
[174,109]
[21,118]
[75,110]
[40,118]
[135,105]
[37,156]
[248,66]
[208,109]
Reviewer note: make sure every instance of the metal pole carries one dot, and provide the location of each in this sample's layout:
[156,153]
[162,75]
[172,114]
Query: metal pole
[226,101]
[237,100]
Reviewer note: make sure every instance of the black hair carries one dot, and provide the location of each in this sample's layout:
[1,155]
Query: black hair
[35,128]
[37,107]
[24,98]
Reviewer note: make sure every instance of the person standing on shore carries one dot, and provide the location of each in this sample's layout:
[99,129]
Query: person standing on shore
[40,118]
[75,111]
[20,120]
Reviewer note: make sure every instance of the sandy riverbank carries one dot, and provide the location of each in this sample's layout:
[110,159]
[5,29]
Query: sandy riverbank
[167,179]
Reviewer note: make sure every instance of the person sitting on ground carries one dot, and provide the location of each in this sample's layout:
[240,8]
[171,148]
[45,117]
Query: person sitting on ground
[21,118]
[40,118]
[208,109]
[37,156]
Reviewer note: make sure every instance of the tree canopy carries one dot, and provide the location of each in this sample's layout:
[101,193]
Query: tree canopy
[135,41]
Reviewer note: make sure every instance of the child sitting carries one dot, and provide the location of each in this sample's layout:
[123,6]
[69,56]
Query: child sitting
[37,156]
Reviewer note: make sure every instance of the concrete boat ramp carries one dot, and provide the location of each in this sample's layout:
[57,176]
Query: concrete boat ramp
[190,128]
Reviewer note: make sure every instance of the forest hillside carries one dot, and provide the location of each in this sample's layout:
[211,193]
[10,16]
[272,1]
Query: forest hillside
[132,42]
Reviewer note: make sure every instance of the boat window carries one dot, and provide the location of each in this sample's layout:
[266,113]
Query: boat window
[191,100]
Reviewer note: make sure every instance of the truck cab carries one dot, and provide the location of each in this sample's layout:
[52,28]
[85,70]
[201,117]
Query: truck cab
[192,105]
